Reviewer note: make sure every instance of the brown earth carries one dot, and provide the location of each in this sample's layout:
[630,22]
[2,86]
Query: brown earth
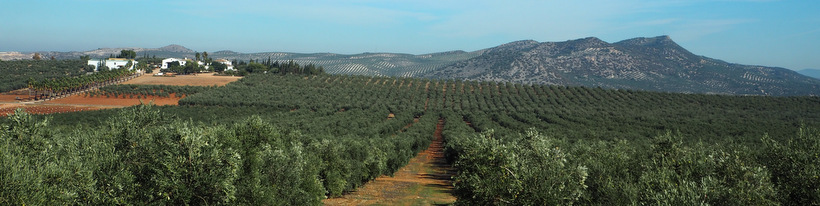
[80,102]
[11,98]
[423,181]
[205,79]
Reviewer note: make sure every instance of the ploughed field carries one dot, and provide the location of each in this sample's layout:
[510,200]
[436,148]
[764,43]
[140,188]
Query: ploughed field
[298,140]
[115,96]
[204,79]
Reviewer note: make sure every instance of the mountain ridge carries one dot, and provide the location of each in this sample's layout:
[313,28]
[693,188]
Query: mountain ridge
[97,53]
[814,73]
[643,63]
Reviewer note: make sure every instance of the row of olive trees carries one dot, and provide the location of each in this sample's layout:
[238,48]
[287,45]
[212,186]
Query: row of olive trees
[17,73]
[66,85]
[607,138]
[289,67]
[535,169]
[142,156]
[152,90]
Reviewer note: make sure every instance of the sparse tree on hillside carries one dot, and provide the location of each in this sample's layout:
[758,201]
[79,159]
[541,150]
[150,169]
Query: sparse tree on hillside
[128,54]
[36,56]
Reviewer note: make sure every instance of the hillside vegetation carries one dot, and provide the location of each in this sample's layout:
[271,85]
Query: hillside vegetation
[284,140]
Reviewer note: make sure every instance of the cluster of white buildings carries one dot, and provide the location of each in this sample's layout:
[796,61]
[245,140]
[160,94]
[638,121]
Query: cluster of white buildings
[184,61]
[116,63]
[113,63]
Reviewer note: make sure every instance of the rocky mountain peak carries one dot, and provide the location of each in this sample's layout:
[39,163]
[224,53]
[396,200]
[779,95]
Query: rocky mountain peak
[658,41]
[646,63]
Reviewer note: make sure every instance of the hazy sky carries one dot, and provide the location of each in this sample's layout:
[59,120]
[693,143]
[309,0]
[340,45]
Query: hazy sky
[759,32]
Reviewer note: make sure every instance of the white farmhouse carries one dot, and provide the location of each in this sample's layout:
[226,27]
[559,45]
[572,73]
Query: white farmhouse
[182,62]
[113,63]
[169,60]
[226,63]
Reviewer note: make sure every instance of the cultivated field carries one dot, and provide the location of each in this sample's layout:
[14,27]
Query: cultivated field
[206,79]
[83,102]
[120,101]
[298,140]
[80,102]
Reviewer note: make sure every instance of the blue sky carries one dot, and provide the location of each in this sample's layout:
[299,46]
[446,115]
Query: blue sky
[759,32]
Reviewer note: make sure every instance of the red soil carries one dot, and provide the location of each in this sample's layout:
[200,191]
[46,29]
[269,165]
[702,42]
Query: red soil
[11,98]
[79,102]
[206,79]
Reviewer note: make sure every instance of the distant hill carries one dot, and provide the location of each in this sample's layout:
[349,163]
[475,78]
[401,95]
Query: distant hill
[172,50]
[656,64]
[815,73]
[375,64]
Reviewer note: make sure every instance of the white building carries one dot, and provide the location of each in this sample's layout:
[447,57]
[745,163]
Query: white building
[182,62]
[113,63]
[169,60]
[226,63]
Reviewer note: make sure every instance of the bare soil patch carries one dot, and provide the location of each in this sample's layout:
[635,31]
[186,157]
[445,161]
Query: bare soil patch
[11,97]
[423,181]
[79,102]
[206,79]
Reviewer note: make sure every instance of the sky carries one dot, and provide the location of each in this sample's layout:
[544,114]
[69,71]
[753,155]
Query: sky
[779,33]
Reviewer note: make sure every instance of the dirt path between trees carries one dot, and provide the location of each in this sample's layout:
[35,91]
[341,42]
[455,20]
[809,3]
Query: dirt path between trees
[423,181]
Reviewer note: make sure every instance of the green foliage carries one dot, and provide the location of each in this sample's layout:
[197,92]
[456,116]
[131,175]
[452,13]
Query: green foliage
[154,90]
[795,167]
[548,145]
[128,54]
[275,170]
[219,67]
[533,171]
[189,67]
[678,175]
[144,156]
[289,67]
[143,66]
[17,73]
[65,85]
